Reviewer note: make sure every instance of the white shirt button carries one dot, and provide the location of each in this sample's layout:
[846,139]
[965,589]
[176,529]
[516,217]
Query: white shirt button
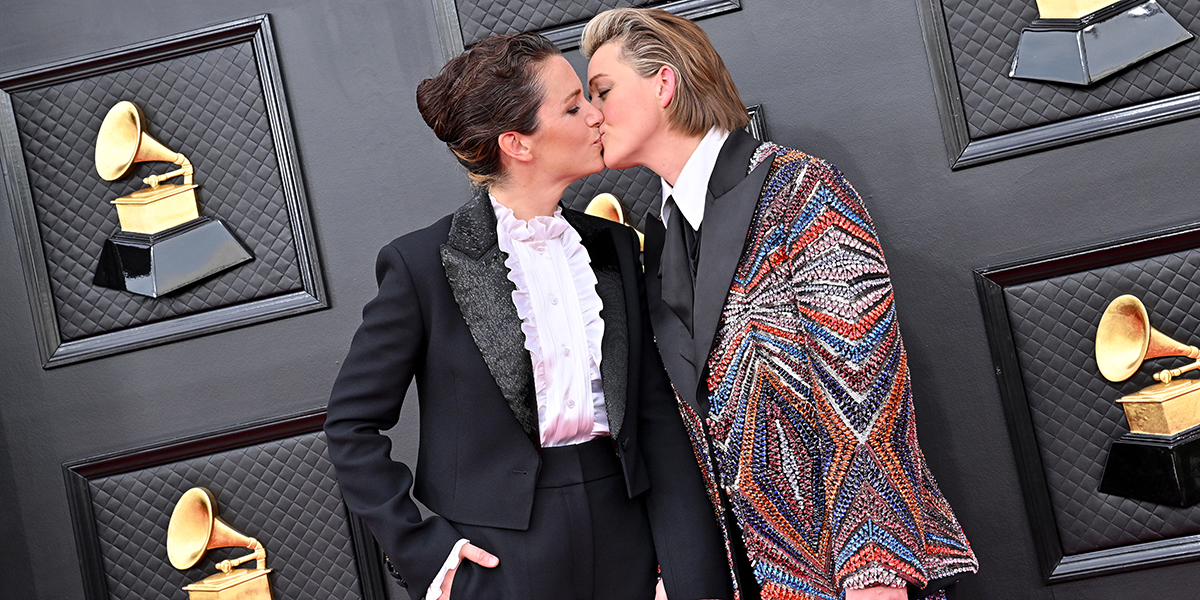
[554,299]
[570,404]
[541,248]
[566,351]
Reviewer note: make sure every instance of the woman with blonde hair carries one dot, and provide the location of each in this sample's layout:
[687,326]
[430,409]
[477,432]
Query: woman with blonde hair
[773,310]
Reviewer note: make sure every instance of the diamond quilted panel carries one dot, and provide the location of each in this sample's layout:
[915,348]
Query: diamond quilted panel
[481,18]
[283,493]
[639,190]
[1074,409]
[208,106]
[983,38]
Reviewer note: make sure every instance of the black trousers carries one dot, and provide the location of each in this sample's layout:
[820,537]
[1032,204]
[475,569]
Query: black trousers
[587,540]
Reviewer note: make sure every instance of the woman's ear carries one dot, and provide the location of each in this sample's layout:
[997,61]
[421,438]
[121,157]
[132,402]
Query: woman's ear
[513,146]
[665,80]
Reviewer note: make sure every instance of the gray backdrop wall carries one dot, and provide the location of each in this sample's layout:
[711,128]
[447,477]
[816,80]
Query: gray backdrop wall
[847,81]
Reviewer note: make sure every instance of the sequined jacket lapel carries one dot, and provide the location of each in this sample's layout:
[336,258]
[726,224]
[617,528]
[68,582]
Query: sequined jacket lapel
[478,277]
[475,269]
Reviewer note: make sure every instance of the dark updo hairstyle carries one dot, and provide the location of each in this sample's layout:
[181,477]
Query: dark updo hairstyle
[488,90]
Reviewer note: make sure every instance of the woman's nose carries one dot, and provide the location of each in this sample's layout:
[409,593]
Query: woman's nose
[594,116]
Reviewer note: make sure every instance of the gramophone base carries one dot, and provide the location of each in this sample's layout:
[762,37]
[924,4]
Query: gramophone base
[158,264]
[1159,469]
[238,584]
[1086,50]
[1164,409]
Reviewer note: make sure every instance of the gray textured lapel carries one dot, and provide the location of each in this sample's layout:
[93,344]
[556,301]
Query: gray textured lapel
[478,277]
[614,368]
[727,219]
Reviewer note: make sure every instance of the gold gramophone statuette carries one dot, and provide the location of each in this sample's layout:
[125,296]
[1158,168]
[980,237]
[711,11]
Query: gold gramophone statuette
[607,206]
[123,142]
[1124,339]
[164,244]
[195,529]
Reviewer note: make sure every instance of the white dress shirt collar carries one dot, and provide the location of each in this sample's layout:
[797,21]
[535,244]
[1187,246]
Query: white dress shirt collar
[691,187]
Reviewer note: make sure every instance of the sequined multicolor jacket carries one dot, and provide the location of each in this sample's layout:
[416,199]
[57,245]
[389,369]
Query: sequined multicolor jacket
[802,412]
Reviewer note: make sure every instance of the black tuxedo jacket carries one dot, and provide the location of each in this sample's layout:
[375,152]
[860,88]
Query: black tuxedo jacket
[731,198]
[444,316]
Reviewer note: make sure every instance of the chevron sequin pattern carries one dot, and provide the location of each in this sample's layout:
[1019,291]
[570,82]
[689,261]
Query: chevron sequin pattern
[810,418]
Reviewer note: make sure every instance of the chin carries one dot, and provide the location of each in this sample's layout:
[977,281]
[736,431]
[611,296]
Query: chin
[617,162]
[595,167]
[584,168]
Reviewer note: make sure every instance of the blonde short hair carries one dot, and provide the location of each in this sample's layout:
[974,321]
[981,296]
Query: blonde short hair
[705,95]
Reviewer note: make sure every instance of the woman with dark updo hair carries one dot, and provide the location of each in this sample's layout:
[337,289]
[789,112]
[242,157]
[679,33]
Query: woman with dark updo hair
[552,454]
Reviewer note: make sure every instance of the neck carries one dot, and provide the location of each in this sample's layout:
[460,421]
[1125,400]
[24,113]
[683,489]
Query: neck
[671,151]
[527,198]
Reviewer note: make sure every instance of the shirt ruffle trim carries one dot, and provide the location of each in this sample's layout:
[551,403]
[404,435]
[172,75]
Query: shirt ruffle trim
[543,229]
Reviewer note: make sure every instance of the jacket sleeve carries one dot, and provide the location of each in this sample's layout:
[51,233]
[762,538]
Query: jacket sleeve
[386,352]
[683,521]
[880,500]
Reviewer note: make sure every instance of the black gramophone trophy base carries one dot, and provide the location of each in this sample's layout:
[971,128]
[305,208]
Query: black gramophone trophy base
[1085,50]
[1154,468]
[160,263]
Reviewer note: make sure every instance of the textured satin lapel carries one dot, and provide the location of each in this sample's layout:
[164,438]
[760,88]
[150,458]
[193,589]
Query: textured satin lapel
[614,367]
[726,222]
[674,343]
[478,277]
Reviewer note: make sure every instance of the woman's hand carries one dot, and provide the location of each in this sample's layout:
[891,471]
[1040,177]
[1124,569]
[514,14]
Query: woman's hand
[474,554]
[878,593]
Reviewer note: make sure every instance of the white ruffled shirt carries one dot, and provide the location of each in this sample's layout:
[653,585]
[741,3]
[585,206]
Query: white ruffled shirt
[556,299]
[560,315]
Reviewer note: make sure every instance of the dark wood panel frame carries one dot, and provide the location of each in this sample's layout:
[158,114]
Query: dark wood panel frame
[758,123]
[566,36]
[54,352]
[990,283]
[966,152]
[367,554]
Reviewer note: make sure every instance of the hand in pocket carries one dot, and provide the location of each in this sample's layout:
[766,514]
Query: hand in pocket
[474,554]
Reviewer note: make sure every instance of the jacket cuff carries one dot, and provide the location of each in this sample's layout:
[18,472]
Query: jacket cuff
[871,575]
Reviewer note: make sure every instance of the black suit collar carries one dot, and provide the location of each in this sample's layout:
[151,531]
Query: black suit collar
[732,197]
[597,237]
[478,277]
[726,229]
[733,162]
[674,342]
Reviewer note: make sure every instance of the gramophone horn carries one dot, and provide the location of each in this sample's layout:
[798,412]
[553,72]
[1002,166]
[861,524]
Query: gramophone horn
[123,141]
[606,206]
[1125,338]
[195,528]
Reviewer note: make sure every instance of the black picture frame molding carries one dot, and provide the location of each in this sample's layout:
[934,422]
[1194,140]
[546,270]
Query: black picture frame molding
[566,37]
[990,283]
[53,351]
[963,152]
[77,474]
